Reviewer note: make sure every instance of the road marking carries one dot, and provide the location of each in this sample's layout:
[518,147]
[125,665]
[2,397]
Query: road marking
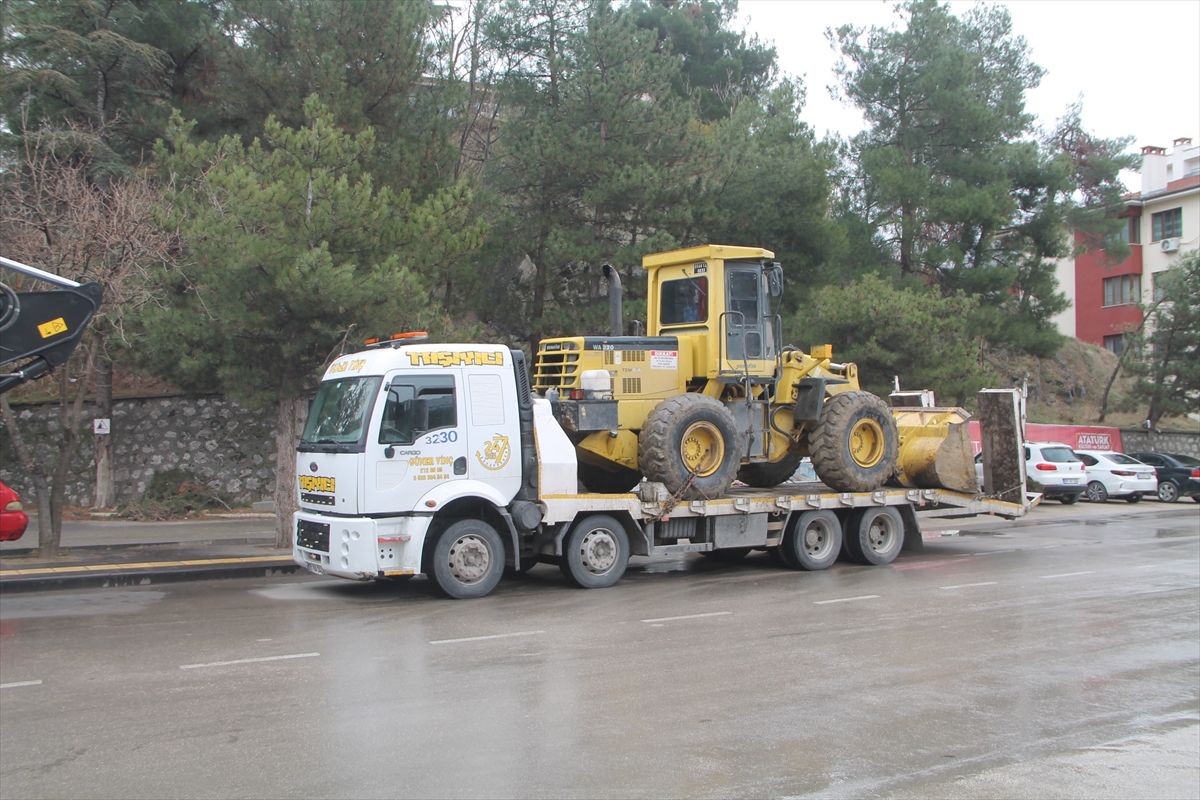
[846,599]
[995,552]
[481,638]
[690,616]
[19,683]
[1069,574]
[968,585]
[283,560]
[249,660]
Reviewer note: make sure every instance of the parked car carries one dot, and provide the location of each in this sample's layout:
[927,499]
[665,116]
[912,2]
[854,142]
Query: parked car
[1055,466]
[1112,474]
[1178,475]
[13,519]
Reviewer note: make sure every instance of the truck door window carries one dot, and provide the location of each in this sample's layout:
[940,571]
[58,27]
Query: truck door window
[743,319]
[684,301]
[416,406]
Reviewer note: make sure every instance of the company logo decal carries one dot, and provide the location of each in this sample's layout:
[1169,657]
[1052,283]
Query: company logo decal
[495,454]
[457,358]
[314,483]
[353,365]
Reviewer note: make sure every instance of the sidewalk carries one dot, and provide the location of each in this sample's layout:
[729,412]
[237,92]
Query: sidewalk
[101,553]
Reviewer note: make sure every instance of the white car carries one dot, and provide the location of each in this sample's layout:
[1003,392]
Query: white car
[1112,474]
[1055,466]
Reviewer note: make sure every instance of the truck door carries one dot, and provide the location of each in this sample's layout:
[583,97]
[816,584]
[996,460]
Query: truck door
[746,335]
[418,441]
[493,429]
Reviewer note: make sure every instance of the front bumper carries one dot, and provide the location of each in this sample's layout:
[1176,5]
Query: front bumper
[358,548]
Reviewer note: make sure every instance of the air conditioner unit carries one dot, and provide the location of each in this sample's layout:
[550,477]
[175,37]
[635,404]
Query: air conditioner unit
[1169,245]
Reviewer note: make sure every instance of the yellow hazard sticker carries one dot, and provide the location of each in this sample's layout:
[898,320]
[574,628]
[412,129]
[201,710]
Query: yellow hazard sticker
[316,483]
[52,328]
[454,358]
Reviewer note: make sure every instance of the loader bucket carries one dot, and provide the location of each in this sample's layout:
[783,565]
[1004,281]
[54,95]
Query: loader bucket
[935,450]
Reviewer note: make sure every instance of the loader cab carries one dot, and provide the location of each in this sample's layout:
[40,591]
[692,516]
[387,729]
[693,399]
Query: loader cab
[723,298]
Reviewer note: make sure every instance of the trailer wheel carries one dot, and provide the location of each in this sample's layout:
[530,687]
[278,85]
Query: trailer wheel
[620,480]
[873,535]
[595,552]
[691,444]
[467,560]
[767,474]
[814,540]
[853,446]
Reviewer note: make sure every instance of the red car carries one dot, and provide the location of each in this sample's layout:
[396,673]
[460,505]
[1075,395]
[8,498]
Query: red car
[13,518]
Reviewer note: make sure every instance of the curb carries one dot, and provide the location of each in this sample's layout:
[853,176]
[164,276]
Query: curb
[255,541]
[111,575]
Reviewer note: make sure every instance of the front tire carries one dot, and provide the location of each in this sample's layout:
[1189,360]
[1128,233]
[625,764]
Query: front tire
[690,443]
[467,560]
[1168,492]
[854,443]
[1096,493]
[873,536]
[814,540]
[595,552]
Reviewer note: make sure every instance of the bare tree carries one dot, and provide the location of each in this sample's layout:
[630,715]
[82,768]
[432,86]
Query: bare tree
[54,215]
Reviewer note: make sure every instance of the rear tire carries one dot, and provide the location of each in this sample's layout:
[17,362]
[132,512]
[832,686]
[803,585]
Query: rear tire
[854,443]
[1168,492]
[814,540]
[620,480]
[467,560]
[1096,493]
[1136,497]
[873,536]
[766,474]
[595,552]
[690,443]
[1068,499]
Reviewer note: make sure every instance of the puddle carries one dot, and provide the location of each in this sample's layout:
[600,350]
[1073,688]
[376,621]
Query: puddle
[82,604]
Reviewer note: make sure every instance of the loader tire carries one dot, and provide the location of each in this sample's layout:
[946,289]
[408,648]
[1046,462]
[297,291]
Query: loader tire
[690,443]
[620,480]
[854,443]
[766,474]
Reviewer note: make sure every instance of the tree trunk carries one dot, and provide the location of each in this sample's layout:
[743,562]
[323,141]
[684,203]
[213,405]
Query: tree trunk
[290,423]
[106,495]
[35,470]
[69,413]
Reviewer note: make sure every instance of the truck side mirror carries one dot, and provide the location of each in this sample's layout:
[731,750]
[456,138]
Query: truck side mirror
[774,275]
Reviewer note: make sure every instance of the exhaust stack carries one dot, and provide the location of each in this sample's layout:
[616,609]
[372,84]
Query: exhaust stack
[615,317]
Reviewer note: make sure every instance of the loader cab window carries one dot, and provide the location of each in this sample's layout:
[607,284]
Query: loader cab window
[337,420]
[745,312]
[417,406]
[684,301]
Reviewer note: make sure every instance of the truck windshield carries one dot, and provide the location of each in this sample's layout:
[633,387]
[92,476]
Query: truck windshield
[337,421]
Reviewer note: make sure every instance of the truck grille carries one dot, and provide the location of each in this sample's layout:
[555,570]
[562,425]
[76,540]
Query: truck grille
[626,356]
[560,370]
[312,535]
[631,385]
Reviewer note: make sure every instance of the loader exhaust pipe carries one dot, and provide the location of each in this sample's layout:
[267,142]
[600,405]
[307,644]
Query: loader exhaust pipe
[616,321]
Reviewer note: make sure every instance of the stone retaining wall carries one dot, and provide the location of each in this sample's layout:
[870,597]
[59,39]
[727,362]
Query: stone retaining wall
[1143,441]
[223,444]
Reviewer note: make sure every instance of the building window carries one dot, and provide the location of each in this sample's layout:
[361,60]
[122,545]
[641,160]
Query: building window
[1166,224]
[1135,229]
[1122,290]
[1115,344]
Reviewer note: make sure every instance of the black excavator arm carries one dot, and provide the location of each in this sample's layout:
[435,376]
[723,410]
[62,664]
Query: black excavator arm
[42,328]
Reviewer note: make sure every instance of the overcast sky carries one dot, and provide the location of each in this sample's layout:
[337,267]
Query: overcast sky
[1136,64]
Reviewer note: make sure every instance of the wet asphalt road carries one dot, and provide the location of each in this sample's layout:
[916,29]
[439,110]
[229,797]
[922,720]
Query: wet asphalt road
[1052,659]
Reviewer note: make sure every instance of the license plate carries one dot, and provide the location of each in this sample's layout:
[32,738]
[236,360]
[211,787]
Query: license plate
[1144,476]
[315,569]
[1070,480]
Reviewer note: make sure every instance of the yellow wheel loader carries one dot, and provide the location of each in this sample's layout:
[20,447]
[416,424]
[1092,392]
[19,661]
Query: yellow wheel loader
[711,394]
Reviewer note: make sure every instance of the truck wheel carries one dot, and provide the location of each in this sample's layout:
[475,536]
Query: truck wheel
[595,552]
[767,474]
[814,540]
[691,444]
[602,481]
[873,535]
[854,443]
[467,559]
[1096,493]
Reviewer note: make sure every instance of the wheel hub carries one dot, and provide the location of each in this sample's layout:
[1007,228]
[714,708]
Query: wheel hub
[598,552]
[816,539]
[702,449]
[866,443]
[879,535]
[470,559]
